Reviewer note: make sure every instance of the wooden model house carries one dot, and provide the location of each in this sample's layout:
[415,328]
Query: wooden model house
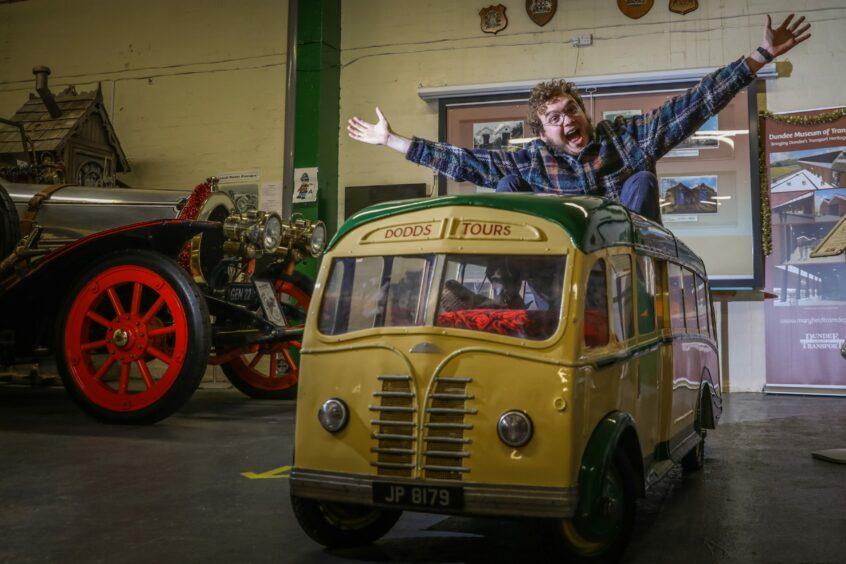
[69,136]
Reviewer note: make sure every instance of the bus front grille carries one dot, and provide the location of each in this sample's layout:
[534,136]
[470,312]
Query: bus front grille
[444,445]
[394,426]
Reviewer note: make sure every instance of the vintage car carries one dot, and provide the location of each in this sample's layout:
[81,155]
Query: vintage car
[134,292]
[516,355]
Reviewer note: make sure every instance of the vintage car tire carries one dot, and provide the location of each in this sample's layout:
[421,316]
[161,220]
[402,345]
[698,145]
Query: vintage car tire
[143,315]
[336,525]
[253,376]
[620,488]
[10,227]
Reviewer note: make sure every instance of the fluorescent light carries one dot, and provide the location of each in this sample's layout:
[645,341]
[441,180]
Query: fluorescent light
[522,88]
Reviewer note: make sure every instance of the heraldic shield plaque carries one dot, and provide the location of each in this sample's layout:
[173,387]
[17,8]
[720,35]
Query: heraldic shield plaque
[635,8]
[683,6]
[493,18]
[541,11]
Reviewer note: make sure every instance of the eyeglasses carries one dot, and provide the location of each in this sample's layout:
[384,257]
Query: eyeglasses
[556,119]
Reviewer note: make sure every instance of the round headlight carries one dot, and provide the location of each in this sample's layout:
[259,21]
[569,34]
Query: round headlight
[333,415]
[514,428]
[318,239]
[271,235]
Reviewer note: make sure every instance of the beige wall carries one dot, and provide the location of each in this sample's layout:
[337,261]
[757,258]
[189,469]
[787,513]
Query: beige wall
[193,87]
[390,48]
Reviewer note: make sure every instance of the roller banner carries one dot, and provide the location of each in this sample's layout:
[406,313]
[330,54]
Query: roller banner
[804,167]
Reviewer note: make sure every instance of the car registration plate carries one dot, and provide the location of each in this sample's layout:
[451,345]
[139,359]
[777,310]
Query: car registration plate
[418,497]
[269,303]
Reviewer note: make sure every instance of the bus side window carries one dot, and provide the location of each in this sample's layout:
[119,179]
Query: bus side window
[674,275]
[690,301]
[702,306]
[595,320]
[645,295]
[622,308]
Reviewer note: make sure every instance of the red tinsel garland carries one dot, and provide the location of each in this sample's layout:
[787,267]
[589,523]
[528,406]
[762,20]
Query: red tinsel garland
[195,203]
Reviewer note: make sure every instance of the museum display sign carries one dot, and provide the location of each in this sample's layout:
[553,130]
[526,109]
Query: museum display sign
[804,182]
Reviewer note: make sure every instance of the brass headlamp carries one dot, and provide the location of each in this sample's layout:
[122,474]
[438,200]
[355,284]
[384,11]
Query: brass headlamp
[303,238]
[252,234]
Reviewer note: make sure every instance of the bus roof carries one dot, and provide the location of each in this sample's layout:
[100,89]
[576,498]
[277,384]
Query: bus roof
[592,223]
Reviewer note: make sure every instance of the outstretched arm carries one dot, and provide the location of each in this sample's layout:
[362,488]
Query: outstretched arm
[379,133]
[778,41]
[663,128]
[482,167]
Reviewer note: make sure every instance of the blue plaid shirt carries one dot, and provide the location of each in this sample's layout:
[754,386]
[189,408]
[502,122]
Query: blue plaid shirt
[616,151]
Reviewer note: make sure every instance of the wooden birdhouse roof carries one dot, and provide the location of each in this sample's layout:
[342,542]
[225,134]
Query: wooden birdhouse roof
[80,112]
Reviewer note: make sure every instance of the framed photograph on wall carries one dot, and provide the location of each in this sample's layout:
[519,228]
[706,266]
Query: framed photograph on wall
[498,126]
[611,115]
[704,138]
[497,134]
[688,194]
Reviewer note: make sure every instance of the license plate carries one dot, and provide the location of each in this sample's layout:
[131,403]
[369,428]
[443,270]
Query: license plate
[418,497]
[243,294]
[269,303]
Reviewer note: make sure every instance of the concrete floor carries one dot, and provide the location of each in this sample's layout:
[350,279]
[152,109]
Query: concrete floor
[73,490]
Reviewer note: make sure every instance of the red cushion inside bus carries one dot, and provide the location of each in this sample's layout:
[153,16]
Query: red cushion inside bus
[512,322]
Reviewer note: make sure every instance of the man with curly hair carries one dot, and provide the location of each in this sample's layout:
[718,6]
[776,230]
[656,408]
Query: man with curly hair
[571,155]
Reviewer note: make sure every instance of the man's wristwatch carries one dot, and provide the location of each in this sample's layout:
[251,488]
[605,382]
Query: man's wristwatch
[766,55]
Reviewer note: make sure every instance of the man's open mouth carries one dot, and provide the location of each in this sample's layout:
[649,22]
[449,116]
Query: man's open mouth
[572,135]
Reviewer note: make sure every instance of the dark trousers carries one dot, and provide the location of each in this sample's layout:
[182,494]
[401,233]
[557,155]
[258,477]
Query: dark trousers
[640,193]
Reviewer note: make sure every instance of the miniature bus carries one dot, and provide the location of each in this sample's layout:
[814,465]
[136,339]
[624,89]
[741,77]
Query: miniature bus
[515,355]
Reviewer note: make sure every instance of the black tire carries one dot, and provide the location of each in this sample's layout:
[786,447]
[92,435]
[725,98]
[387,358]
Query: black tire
[694,460]
[294,294]
[615,515]
[152,357]
[10,227]
[337,525]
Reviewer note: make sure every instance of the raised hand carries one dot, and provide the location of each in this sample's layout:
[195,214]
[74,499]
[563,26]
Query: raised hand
[372,133]
[786,36]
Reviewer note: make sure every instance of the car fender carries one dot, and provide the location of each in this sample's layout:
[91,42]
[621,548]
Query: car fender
[616,428]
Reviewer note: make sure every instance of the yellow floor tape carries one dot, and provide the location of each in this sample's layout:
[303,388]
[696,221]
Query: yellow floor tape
[283,472]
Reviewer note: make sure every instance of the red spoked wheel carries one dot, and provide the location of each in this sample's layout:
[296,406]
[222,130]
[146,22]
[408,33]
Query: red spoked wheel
[135,340]
[272,371]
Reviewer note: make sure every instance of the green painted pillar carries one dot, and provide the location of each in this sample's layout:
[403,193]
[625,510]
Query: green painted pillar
[317,109]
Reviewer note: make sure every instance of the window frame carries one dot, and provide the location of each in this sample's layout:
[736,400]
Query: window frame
[479,98]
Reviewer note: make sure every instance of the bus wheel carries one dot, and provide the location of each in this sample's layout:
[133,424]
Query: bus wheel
[272,371]
[135,338]
[603,535]
[336,525]
[694,460]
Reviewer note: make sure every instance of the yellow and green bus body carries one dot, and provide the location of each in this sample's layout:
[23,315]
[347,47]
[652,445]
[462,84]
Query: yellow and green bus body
[518,355]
